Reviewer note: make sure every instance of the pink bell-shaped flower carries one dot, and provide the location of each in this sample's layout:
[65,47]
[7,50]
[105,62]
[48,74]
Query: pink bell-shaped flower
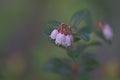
[62,35]
[59,38]
[53,34]
[68,40]
[107,31]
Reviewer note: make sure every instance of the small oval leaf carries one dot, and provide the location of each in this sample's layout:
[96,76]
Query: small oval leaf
[54,23]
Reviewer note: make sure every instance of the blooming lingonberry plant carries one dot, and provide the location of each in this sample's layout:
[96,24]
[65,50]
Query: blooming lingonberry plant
[81,62]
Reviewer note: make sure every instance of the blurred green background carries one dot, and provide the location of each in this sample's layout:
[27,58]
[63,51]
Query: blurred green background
[24,50]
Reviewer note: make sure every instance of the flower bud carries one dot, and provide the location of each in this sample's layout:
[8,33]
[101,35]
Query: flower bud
[107,31]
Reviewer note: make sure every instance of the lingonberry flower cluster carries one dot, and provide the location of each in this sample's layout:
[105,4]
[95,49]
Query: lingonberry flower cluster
[62,35]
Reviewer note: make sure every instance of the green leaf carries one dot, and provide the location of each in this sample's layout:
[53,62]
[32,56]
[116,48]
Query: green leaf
[47,31]
[81,47]
[58,65]
[86,29]
[100,34]
[77,17]
[88,18]
[89,62]
[74,28]
[76,38]
[54,23]
[91,65]
[75,53]
[84,36]
[84,33]
[51,25]
[95,43]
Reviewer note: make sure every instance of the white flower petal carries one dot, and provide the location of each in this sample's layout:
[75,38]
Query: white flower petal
[64,42]
[67,41]
[60,38]
[53,34]
[107,31]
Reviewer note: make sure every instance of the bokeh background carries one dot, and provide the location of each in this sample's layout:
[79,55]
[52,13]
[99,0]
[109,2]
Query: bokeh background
[24,50]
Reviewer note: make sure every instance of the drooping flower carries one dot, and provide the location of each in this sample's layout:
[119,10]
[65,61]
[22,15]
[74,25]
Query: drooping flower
[60,38]
[53,34]
[68,40]
[106,30]
[62,35]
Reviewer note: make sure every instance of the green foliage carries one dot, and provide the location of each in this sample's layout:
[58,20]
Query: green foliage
[51,25]
[79,16]
[76,38]
[89,61]
[58,65]
[54,23]
[84,36]
[84,32]
[47,31]
[78,51]
[95,43]
[74,54]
